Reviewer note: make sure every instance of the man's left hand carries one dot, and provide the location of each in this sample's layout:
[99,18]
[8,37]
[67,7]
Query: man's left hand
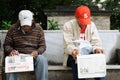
[34,54]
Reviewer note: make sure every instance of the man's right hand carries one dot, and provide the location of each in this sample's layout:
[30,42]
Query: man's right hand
[75,53]
[14,52]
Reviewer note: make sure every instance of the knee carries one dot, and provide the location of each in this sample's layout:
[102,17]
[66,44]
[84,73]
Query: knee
[41,58]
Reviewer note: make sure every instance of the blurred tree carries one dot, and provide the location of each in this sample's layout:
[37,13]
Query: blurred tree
[113,5]
[86,2]
[10,8]
[5,12]
[110,5]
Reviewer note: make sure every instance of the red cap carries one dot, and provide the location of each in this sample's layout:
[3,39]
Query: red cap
[82,13]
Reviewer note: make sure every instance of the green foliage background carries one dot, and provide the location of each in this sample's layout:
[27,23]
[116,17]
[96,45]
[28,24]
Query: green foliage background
[53,25]
[110,5]
[10,8]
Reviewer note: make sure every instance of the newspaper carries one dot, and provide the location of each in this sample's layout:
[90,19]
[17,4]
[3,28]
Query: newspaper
[19,63]
[91,66]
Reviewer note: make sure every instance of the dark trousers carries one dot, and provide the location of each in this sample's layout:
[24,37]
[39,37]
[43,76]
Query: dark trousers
[71,63]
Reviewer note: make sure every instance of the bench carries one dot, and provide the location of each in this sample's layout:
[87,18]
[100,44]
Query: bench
[54,54]
[54,41]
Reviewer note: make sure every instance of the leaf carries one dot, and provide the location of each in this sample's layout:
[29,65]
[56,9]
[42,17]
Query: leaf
[5,25]
[53,25]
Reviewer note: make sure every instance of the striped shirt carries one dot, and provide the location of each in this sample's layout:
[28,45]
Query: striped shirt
[25,43]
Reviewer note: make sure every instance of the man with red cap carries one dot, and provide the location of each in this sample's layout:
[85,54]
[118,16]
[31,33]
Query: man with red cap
[80,28]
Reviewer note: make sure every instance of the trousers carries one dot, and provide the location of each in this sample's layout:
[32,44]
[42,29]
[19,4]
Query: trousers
[41,70]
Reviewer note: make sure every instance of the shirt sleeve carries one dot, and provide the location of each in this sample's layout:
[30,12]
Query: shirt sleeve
[95,38]
[8,43]
[42,43]
[68,39]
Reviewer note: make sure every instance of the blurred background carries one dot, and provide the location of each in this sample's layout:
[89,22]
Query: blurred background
[9,10]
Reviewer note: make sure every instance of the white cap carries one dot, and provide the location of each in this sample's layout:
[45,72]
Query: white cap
[25,17]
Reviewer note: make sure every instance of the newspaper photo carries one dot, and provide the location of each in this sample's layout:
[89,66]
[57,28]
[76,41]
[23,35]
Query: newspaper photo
[19,63]
[91,66]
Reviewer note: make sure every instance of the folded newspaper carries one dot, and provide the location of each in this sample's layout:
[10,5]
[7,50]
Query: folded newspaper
[19,63]
[91,66]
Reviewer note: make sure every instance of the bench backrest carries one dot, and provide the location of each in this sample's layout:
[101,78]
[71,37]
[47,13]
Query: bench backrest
[54,41]
[110,43]
[55,50]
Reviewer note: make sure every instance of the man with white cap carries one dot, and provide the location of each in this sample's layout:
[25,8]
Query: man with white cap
[80,28]
[26,37]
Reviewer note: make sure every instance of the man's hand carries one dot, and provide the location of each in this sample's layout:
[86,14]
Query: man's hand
[14,52]
[75,53]
[98,51]
[34,54]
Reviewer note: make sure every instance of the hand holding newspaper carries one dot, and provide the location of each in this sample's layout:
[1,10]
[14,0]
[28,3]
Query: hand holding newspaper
[89,65]
[19,63]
